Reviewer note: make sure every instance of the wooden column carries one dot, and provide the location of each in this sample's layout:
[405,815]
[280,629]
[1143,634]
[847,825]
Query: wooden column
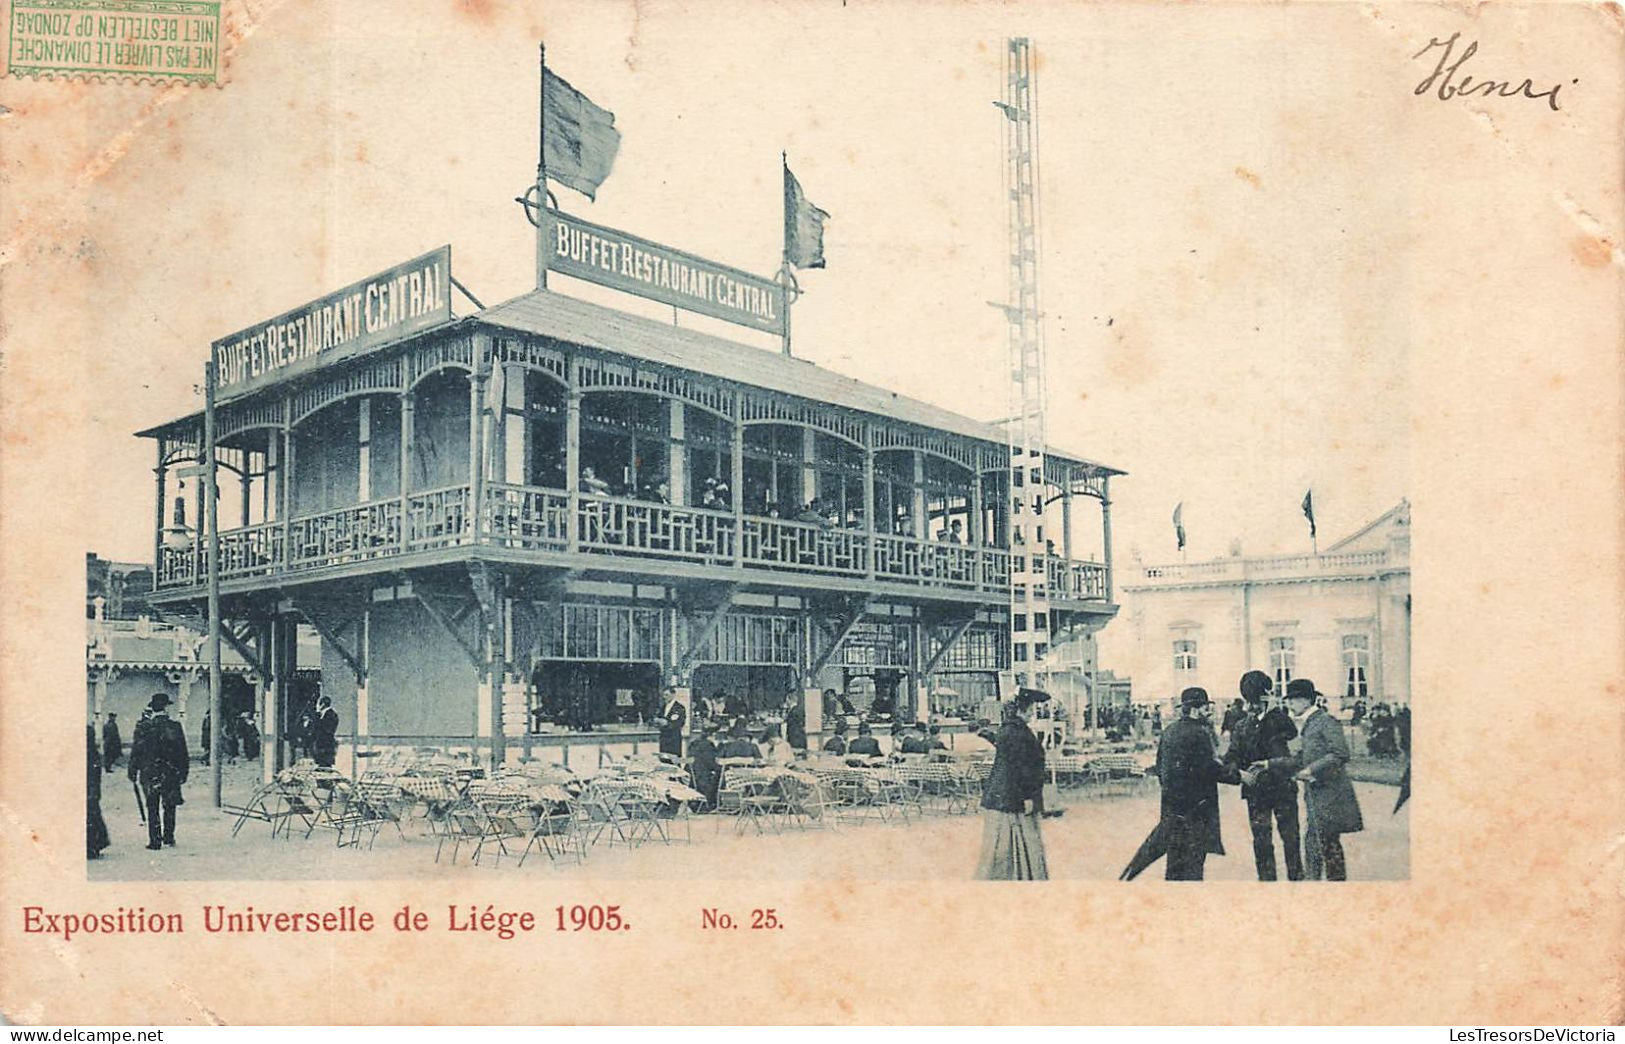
[921,529]
[869,521]
[364,451]
[676,472]
[409,406]
[271,492]
[809,473]
[162,474]
[1106,531]
[572,461]
[245,481]
[477,379]
[276,687]
[286,482]
[737,476]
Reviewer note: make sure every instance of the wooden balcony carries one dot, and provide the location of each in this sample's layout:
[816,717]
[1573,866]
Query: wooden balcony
[576,528]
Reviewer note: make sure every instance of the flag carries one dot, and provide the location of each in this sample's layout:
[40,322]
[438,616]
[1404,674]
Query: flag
[803,226]
[1179,524]
[1309,511]
[579,139]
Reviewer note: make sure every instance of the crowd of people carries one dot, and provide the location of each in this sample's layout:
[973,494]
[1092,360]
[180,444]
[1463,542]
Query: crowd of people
[1387,730]
[1272,750]
[1269,749]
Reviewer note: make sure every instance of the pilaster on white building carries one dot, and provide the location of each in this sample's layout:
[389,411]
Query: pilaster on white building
[1341,618]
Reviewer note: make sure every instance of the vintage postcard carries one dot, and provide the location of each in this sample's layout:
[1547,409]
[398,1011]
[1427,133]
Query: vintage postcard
[810,512]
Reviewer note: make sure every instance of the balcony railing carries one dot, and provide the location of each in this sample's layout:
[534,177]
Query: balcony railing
[532,519]
[1341,563]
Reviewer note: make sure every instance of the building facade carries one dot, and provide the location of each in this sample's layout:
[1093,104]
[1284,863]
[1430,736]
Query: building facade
[1341,618]
[511,530]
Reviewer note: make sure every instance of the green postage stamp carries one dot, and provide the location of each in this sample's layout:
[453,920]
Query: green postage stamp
[134,40]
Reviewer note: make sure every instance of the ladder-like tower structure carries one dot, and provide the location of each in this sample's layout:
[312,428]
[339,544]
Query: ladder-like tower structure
[1029,598]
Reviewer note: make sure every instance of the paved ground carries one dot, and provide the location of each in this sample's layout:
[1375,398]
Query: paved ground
[1091,842]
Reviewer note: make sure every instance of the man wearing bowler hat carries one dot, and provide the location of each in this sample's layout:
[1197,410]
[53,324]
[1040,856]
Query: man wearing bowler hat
[1190,770]
[159,764]
[1331,808]
[1263,732]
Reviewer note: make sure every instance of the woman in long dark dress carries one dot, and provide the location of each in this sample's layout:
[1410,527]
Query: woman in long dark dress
[96,837]
[1013,803]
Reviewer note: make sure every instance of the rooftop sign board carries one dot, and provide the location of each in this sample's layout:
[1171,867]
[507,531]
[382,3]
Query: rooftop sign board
[660,273]
[395,303]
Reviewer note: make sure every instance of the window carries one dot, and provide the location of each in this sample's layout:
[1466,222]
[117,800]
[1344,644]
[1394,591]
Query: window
[1185,655]
[1356,665]
[1283,660]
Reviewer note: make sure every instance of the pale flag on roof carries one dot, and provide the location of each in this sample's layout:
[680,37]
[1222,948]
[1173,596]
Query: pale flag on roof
[579,139]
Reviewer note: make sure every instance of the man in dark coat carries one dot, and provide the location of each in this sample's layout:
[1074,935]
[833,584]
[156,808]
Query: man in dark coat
[836,744]
[112,742]
[866,744]
[208,723]
[1260,734]
[672,723]
[159,765]
[324,744]
[703,766]
[249,734]
[1328,796]
[795,724]
[95,826]
[916,742]
[1188,765]
[740,745]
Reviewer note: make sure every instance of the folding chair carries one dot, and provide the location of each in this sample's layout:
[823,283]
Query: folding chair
[557,826]
[601,806]
[507,816]
[805,799]
[380,801]
[760,799]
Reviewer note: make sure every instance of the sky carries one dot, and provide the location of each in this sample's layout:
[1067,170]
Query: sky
[1222,253]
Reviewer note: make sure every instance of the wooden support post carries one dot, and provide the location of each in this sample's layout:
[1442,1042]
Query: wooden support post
[849,622]
[476,434]
[736,476]
[572,462]
[1106,531]
[158,515]
[676,463]
[409,404]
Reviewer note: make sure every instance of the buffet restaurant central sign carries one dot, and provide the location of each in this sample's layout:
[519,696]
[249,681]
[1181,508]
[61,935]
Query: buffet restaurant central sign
[660,273]
[406,299]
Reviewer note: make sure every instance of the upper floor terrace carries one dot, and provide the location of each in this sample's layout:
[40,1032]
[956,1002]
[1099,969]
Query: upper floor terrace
[553,431]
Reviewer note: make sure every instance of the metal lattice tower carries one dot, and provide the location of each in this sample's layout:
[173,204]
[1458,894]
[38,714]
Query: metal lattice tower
[1029,600]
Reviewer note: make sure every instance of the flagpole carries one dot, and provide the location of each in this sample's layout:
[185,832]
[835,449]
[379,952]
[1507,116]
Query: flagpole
[541,170]
[784,253]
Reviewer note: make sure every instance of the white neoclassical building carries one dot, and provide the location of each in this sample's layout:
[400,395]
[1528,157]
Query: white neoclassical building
[1341,618]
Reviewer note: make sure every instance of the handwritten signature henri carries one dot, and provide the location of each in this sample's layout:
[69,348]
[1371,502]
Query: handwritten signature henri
[1444,77]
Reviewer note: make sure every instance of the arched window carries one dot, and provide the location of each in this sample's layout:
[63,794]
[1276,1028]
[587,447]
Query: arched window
[625,441]
[773,468]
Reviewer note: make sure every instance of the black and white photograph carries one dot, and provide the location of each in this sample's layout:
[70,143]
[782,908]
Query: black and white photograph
[538,450]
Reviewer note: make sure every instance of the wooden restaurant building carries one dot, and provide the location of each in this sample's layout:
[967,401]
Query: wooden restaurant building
[514,528]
